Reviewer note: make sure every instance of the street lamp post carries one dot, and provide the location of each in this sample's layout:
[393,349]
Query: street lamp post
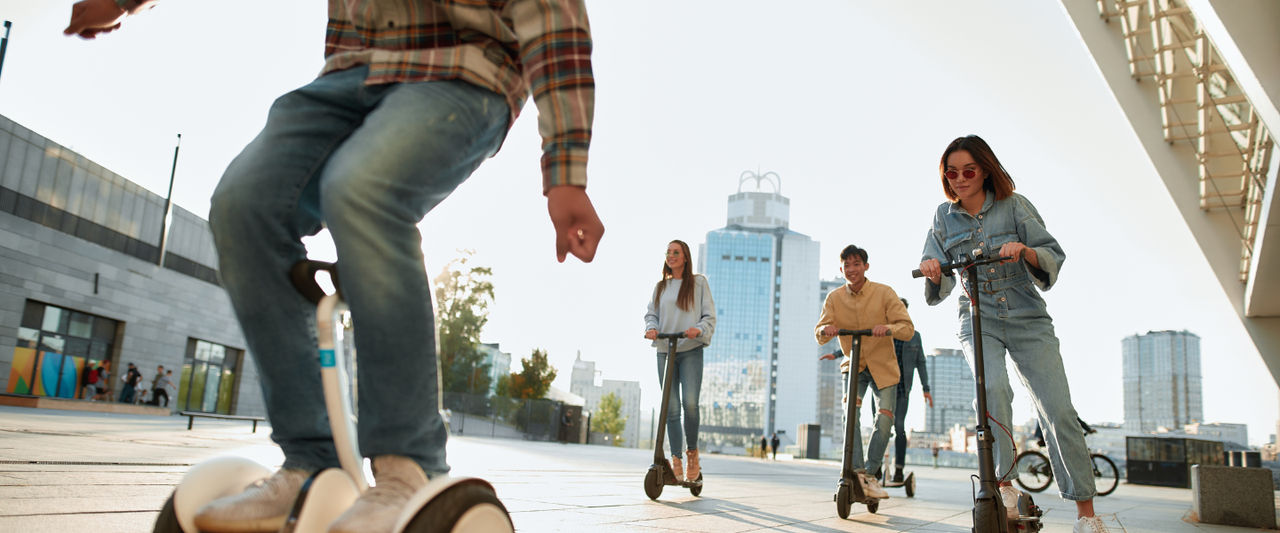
[4,43]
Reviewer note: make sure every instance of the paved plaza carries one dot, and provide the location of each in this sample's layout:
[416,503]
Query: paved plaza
[64,471]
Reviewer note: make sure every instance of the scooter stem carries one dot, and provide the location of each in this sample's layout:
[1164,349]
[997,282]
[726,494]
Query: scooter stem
[334,378]
[658,457]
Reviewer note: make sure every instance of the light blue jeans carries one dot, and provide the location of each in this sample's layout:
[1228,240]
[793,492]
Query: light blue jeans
[1033,348]
[886,402]
[685,389]
[368,162]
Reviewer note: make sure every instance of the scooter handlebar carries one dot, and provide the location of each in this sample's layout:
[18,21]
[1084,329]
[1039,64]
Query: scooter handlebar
[855,332]
[949,268]
[677,335]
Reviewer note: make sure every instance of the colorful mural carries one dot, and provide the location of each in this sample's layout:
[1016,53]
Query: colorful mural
[54,374]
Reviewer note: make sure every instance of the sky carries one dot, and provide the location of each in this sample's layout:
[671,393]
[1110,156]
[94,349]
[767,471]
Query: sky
[851,103]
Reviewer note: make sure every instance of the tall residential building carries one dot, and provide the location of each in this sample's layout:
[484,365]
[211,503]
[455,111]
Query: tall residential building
[830,386]
[1161,380]
[499,363]
[582,383]
[952,387]
[759,373]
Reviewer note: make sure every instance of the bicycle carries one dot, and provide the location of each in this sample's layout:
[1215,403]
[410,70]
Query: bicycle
[1034,473]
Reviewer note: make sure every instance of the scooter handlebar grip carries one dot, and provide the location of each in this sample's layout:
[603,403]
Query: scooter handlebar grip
[917,273]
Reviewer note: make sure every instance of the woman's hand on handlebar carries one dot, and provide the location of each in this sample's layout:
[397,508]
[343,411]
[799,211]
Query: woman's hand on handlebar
[651,334]
[932,270]
[692,333]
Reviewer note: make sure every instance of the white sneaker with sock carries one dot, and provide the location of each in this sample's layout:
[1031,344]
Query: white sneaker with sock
[1089,524]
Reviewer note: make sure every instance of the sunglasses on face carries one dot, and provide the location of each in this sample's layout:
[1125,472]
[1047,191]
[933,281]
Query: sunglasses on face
[968,174]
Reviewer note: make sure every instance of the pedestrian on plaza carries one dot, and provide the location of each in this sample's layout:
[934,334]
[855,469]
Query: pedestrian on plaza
[103,387]
[982,212]
[910,360]
[935,455]
[681,302]
[764,446]
[95,381]
[414,95]
[773,446]
[864,304]
[160,387]
[131,379]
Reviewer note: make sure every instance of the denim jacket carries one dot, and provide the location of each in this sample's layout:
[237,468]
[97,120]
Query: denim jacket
[1005,289]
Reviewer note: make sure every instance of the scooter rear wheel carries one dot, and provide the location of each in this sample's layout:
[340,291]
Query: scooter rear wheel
[842,501]
[873,506]
[653,484]
[696,490]
[464,508]
[910,485]
[167,520]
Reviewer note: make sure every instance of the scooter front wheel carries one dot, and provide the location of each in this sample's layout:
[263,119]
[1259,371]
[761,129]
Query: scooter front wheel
[842,501]
[653,484]
[464,508]
[696,490]
[910,485]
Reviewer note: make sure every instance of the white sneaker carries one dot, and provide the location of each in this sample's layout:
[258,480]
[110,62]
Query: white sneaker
[263,507]
[378,508]
[1009,495]
[872,489]
[1089,524]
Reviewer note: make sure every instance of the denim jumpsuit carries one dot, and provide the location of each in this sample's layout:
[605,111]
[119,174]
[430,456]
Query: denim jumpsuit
[1014,321]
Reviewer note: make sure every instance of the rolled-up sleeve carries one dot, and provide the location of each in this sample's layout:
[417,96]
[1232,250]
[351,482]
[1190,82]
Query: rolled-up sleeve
[555,51]
[1049,254]
[935,293]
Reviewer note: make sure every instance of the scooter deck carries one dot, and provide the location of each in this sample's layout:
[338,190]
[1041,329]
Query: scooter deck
[896,484]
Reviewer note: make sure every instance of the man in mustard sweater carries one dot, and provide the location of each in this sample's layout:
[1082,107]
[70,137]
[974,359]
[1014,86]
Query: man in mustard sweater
[863,304]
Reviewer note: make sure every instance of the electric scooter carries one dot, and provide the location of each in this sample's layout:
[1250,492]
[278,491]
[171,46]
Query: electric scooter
[988,507]
[849,489]
[454,504]
[660,473]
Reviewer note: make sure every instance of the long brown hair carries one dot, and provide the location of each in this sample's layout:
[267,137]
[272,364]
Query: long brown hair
[684,300]
[998,180]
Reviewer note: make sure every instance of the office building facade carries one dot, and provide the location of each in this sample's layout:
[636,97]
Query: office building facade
[759,374]
[953,390]
[1161,380]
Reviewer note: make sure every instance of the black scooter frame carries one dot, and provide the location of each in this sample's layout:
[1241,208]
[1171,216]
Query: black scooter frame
[849,489]
[988,507]
[660,472]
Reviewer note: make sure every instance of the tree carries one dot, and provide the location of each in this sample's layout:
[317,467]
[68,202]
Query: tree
[463,295]
[608,418]
[533,380]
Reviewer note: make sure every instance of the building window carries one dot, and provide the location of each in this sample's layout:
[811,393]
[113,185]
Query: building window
[55,348]
[208,381]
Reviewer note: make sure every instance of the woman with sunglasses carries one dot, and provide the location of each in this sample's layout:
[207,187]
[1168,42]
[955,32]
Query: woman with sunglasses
[682,303]
[983,213]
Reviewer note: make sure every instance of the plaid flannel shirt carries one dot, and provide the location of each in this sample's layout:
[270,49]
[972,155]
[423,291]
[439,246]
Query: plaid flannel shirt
[512,47]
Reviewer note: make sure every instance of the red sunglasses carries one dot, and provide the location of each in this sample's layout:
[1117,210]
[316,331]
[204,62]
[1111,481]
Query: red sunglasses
[953,174]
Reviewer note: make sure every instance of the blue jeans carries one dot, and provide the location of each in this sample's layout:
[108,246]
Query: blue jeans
[1033,348]
[886,398]
[899,426]
[368,162]
[685,388]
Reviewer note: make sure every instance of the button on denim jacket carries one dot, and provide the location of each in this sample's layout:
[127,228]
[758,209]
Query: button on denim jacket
[1005,288]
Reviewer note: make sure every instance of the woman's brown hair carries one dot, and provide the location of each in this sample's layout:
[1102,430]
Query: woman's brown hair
[998,180]
[684,300]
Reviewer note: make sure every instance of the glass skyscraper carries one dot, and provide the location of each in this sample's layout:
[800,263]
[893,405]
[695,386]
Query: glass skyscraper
[759,372]
[1161,380]
[953,391]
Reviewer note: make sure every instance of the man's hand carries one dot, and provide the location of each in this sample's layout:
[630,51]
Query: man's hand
[578,229]
[91,17]
[928,398]
[830,331]
[880,330]
[827,357]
